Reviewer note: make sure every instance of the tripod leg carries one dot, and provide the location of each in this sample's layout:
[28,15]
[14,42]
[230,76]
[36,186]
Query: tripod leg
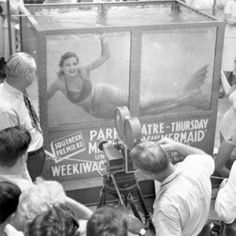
[130,200]
[102,198]
[117,190]
[148,218]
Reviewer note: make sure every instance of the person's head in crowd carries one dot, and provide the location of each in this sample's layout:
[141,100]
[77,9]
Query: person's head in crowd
[107,221]
[151,159]
[20,70]
[9,199]
[56,221]
[14,142]
[37,199]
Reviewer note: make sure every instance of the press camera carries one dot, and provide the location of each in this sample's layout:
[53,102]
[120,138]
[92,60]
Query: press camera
[129,134]
[120,180]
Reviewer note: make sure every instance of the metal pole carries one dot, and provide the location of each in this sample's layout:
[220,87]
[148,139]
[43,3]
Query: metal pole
[214,8]
[20,29]
[9,26]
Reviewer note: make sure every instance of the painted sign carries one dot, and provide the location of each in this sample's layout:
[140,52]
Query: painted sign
[77,155]
[66,147]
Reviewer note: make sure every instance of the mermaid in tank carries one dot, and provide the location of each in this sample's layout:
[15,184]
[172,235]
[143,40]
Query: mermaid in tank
[101,99]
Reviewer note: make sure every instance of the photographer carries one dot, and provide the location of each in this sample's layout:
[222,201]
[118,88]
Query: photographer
[183,203]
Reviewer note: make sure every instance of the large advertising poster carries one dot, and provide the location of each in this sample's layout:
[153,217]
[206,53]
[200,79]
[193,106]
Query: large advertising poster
[75,154]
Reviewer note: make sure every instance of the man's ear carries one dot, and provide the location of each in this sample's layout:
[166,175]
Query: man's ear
[28,74]
[11,217]
[25,156]
[22,159]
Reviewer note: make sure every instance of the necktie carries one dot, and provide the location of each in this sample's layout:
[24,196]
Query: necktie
[32,113]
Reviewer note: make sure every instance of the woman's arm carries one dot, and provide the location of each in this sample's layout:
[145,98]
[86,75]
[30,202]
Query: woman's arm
[229,90]
[52,89]
[103,57]
[228,17]
[225,84]
[81,211]
[232,98]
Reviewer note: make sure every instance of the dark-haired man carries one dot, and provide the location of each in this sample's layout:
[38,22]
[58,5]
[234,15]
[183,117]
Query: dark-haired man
[14,142]
[107,221]
[9,199]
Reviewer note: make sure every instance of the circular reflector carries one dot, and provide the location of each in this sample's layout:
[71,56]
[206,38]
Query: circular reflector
[133,134]
[121,113]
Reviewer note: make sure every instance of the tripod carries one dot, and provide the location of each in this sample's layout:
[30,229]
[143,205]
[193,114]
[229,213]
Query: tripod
[123,186]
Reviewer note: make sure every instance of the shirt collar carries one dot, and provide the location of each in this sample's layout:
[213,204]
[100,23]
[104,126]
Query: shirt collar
[13,90]
[171,177]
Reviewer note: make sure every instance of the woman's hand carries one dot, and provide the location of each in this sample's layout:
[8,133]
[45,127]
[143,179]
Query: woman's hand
[231,22]
[11,231]
[82,227]
[229,19]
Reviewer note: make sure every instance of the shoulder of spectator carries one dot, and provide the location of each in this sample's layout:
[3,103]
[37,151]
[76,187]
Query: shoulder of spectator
[8,117]
[7,110]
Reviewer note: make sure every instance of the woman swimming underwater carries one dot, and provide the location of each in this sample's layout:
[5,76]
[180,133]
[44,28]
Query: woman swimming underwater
[101,99]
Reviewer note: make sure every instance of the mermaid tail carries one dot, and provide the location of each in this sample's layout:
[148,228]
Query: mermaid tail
[196,80]
[191,95]
[196,99]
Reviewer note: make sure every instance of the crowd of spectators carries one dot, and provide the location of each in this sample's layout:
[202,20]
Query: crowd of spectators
[42,207]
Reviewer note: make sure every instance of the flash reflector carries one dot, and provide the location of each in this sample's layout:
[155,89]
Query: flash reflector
[121,113]
[132,129]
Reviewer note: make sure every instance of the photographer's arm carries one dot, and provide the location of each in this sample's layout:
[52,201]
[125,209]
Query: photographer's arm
[171,145]
[200,160]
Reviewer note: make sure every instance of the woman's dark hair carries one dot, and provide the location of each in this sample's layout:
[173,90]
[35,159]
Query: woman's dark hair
[57,221]
[14,142]
[67,55]
[107,221]
[9,199]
